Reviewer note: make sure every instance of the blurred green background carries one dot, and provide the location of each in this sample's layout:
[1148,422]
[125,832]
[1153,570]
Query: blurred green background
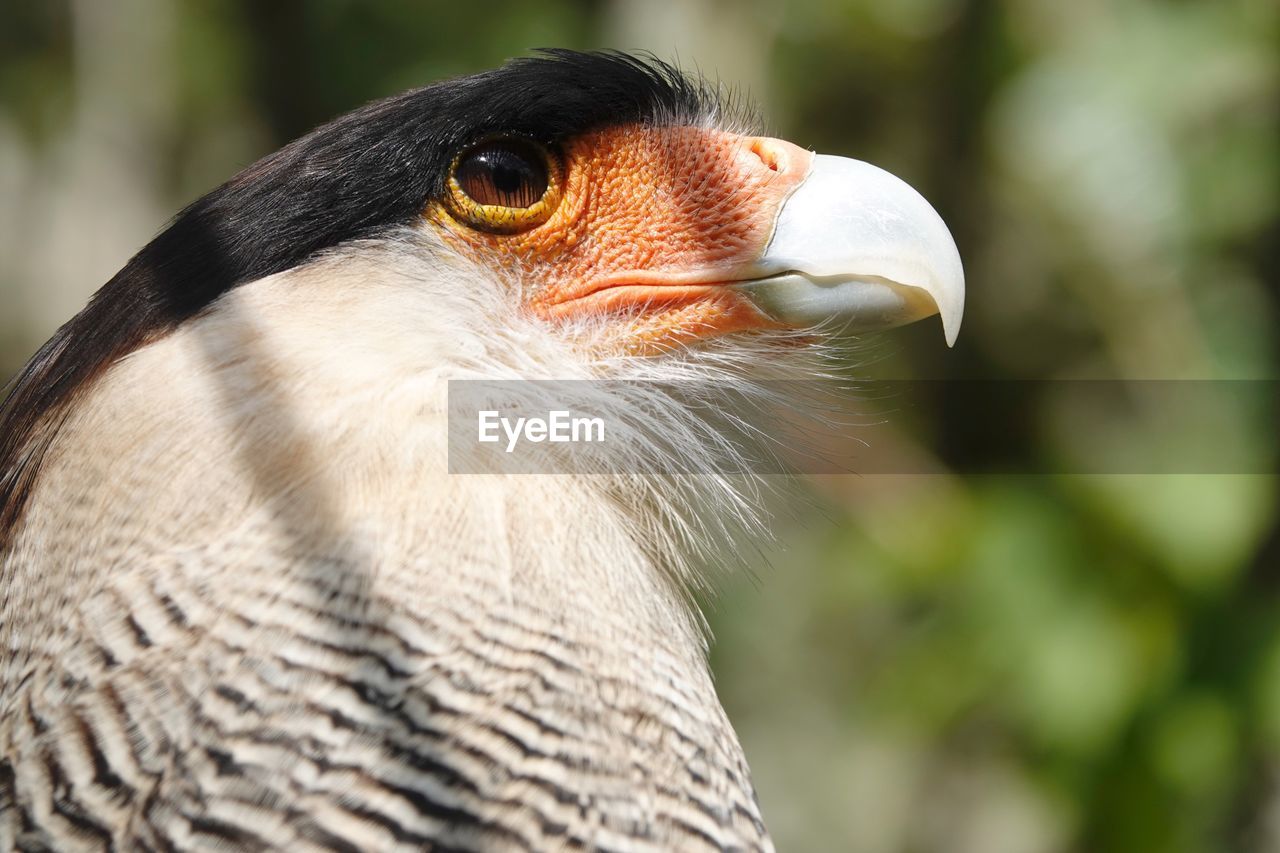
[949,663]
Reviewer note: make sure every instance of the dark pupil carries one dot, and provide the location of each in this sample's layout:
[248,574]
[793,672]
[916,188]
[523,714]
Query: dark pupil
[507,174]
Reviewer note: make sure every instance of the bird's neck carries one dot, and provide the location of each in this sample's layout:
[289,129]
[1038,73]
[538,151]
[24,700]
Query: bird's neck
[270,426]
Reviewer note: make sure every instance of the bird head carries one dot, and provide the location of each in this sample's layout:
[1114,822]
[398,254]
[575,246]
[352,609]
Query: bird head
[561,212]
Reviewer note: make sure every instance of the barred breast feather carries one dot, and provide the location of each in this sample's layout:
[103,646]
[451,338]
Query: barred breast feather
[264,618]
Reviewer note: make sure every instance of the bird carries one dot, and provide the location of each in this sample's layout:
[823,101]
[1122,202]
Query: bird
[245,601]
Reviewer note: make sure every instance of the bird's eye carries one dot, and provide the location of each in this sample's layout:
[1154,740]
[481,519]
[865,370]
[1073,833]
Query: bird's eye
[504,186]
[504,174]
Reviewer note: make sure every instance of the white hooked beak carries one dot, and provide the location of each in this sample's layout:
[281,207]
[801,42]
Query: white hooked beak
[856,245]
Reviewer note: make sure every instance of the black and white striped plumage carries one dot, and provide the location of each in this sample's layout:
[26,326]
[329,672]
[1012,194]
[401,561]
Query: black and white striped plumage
[244,604]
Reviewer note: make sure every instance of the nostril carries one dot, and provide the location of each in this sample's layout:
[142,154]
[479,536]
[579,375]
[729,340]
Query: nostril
[769,154]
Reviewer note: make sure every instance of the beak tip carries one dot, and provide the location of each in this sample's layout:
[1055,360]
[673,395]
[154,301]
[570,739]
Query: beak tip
[948,289]
[952,313]
[951,332]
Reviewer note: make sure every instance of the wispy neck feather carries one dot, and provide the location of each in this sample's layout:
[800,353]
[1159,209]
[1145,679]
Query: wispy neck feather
[316,399]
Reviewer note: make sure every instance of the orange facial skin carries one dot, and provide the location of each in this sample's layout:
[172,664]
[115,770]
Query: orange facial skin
[651,223]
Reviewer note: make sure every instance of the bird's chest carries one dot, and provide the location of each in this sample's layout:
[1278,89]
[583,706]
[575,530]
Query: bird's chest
[380,696]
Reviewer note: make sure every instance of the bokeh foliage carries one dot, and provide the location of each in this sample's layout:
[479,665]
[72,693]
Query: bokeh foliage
[956,662]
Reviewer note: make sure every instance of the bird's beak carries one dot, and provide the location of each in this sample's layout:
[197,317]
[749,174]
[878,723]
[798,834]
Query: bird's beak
[854,247]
